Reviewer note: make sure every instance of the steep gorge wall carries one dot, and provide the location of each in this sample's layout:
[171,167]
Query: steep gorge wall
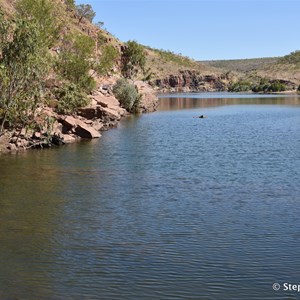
[193,81]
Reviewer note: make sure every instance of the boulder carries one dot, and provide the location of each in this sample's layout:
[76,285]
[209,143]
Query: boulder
[87,132]
[69,121]
[111,113]
[68,139]
[88,112]
[79,127]
[149,100]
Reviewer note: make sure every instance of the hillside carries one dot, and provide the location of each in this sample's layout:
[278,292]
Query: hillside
[241,65]
[286,68]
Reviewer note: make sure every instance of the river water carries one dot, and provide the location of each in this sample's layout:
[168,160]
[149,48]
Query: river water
[166,206]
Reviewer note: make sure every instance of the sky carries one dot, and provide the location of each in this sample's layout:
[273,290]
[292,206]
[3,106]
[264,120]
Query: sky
[203,29]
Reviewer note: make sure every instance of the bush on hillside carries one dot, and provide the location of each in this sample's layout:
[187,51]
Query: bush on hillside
[240,86]
[277,86]
[74,61]
[101,39]
[265,86]
[127,94]
[70,98]
[107,60]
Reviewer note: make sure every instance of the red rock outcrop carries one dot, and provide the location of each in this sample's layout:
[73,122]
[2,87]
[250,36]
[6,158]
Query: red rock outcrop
[192,81]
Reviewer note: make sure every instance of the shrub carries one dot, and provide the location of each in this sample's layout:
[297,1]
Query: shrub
[240,86]
[70,98]
[266,86]
[107,60]
[276,87]
[74,61]
[298,88]
[101,39]
[127,94]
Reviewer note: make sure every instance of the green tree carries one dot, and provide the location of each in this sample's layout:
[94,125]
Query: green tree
[127,94]
[133,59]
[108,59]
[85,11]
[22,70]
[74,61]
[45,14]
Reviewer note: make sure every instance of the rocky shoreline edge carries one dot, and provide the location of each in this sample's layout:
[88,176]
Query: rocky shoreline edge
[103,112]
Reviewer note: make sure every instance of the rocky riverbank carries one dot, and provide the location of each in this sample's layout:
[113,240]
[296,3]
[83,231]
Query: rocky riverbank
[103,112]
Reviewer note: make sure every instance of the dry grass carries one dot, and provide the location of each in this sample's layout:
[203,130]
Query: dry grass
[275,68]
[242,65]
[163,63]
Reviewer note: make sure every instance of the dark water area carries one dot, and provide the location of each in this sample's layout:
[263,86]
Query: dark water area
[166,206]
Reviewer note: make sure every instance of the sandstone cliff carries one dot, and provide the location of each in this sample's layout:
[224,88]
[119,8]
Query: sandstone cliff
[192,81]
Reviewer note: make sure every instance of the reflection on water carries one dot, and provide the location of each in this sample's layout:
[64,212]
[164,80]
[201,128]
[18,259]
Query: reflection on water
[166,206]
[190,101]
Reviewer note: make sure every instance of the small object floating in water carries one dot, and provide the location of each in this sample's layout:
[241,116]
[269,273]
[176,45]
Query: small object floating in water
[200,117]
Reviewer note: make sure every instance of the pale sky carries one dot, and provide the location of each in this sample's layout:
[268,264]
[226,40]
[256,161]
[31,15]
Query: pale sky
[205,30]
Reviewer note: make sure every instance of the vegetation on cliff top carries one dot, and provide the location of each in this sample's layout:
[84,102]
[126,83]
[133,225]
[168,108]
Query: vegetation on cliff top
[286,68]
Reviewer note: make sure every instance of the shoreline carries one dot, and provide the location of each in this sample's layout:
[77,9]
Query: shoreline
[103,112]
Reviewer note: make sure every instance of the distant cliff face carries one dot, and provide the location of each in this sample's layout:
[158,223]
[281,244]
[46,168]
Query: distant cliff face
[193,81]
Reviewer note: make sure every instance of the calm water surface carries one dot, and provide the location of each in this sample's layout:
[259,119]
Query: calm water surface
[166,206]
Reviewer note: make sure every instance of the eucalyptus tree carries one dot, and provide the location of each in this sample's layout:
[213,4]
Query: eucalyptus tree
[85,11]
[22,69]
[133,59]
[46,15]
